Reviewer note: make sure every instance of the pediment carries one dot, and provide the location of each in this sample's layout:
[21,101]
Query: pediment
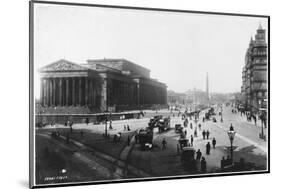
[62,65]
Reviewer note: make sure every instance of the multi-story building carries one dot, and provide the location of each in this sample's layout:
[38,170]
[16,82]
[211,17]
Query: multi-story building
[254,74]
[99,85]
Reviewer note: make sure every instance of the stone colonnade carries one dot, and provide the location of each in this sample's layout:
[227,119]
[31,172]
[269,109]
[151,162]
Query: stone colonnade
[67,91]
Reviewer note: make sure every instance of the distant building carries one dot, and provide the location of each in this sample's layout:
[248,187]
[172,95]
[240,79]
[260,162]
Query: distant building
[197,96]
[98,85]
[175,98]
[254,74]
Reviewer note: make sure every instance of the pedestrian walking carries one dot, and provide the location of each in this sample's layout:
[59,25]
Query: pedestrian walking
[208,148]
[204,134]
[125,128]
[164,143]
[128,128]
[203,165]
[208,134]
[198,154]
[214,142]
[191,127]
[199,127]
[185,132]
[195,133]
[191,140]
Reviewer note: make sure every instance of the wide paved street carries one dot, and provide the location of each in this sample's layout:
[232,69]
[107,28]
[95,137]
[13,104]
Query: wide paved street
[167,162]
[158,162]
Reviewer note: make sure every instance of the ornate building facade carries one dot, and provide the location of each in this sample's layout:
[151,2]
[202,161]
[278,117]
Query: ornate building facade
[99,85]
[254,74]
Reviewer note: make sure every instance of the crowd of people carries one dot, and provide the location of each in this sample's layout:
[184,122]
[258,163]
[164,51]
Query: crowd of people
[211,141]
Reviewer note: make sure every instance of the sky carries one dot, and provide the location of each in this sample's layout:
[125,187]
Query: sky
[178,48]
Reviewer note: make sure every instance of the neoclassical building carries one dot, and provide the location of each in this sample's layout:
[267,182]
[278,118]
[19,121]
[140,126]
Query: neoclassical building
[254,74]
[100,85]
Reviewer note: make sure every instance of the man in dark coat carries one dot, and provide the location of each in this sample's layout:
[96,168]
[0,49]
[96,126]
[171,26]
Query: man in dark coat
[208,148]
[214,142]
[203,165]
[191,140]
[198,154]
[195,132]
[208,134]
[204,134]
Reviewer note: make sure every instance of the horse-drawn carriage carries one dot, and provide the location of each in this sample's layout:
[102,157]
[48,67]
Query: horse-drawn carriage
[187,159]
[145,137]
[178,128]
[163,124]
[154,120]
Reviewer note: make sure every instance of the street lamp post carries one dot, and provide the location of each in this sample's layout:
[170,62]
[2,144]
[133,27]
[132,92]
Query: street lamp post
[231,134]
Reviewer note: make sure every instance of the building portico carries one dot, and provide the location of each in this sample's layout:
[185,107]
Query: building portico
[99,85]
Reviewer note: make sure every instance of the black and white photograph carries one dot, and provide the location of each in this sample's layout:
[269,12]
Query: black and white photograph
[122,94]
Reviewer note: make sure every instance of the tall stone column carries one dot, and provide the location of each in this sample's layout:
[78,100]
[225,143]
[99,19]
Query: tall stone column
[60,92]
[91,91]
[50,92]
[138,94]
[42,92]
[54,91]
[73,91]
[103,104]
[86,91]
[67,92]
[80,91]
[165,96]
[47,92]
